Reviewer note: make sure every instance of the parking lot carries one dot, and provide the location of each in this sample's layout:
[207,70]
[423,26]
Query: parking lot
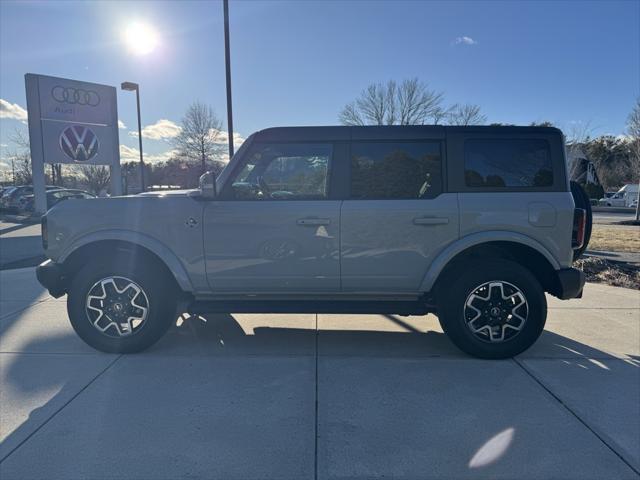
[319,396]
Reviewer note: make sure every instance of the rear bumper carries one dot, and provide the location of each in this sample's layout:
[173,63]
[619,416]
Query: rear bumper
[51,276]
[570,283]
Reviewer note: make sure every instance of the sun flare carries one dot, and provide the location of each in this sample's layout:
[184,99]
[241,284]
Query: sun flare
[141,39]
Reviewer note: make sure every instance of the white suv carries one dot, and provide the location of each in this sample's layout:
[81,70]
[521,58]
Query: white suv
[474,224]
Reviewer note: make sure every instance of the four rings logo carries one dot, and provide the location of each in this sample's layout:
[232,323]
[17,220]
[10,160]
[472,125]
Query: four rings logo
[79,143]
[75,96]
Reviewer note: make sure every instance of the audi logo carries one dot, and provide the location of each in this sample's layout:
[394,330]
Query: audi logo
[79,143]
[75,96]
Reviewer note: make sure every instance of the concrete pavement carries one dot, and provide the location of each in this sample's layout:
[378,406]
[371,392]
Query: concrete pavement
[319,396]
[20,244]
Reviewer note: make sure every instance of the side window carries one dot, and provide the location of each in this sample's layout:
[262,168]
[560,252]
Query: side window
[514,163]
[295,171]
[395,170]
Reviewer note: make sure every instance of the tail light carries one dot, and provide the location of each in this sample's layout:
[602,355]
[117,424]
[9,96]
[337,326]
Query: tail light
[579,227]
[45,233]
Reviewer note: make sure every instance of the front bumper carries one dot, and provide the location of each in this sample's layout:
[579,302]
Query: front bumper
[570,283]
[51,276]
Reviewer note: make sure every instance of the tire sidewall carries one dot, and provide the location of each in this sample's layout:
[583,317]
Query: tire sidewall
[162,306]
[451,312]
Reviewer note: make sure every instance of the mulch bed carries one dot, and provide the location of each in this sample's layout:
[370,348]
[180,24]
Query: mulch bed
[617,274]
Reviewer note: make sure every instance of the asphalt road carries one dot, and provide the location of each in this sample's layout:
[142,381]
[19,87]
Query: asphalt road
[611,217]
[319,396]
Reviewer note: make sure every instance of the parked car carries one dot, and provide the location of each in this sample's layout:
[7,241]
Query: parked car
[10,200]
[622,198]
[54,197]
[474,224]
[5,194]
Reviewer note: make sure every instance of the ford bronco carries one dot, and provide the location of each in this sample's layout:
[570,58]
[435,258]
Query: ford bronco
[473,224]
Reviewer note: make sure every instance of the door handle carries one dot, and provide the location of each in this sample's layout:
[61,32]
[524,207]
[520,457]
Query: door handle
[431,221]
[313,221]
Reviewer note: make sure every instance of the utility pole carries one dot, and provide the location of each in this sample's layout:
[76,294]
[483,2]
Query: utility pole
[227,63]
[134,87]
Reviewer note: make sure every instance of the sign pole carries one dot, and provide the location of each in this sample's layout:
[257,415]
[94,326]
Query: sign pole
[115,168]
[227,63]
[35,142]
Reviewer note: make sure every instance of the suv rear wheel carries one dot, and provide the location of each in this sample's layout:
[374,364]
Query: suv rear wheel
[123,307]
[493,309]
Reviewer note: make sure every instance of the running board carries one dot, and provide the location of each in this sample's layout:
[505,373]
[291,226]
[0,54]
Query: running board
[312,306]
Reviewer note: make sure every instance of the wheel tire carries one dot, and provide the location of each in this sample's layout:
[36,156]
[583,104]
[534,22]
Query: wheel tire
[160,294]
[453,297]
[581,200]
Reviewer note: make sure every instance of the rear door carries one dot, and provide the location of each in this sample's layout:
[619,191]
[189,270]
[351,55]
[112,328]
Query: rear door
[397,217]
[513,180]
[275,228]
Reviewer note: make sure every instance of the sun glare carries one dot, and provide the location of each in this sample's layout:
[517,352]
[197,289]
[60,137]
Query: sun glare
[141,39]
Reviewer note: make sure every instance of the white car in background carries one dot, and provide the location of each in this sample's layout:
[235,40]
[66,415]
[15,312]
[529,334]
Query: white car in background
[624,197]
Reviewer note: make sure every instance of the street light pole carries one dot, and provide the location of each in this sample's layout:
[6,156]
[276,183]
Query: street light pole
[142,183]
[227,63]
[130,86]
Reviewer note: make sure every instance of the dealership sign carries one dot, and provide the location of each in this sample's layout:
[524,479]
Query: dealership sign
[71,122]
[77,121]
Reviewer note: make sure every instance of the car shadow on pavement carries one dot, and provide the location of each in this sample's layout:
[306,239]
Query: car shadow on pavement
[222,335]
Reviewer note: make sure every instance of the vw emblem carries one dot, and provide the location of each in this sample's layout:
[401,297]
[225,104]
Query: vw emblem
[79,143]
[75,96]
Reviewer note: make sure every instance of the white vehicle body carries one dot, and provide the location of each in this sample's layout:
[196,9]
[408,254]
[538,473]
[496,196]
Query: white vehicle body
[624,197]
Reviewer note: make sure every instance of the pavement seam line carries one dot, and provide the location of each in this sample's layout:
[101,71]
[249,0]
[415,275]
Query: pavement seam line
[574,414]
[62,407]
[315,455]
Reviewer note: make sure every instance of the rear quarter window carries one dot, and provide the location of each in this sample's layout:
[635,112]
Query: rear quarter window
[507,163]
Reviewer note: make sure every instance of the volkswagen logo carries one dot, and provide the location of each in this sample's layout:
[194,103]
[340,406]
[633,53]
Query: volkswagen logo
[79,143]
[75,96]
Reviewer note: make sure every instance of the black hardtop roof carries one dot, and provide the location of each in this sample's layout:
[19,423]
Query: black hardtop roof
[388,132]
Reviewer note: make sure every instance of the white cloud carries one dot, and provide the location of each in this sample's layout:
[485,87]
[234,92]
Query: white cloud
[130,154]
[121,125]
[464,41]
[12,110]
[222,137]
[3,145]
[163,129]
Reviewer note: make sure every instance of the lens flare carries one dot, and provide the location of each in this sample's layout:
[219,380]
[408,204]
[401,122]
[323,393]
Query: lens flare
[141,39]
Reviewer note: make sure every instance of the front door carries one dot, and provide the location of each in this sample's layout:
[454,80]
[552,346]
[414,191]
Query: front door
[397,219]
[274,229]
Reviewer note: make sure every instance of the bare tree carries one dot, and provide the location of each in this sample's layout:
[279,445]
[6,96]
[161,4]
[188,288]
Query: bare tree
[410,103]
[21,140]
[544,123]
[199,138]
[21,158]
[633,130]
[21,166]
[440,115]
[467,114]
[97,177]
[577,138]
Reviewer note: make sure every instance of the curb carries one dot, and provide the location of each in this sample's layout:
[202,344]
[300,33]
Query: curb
[23,263]
[613,209]
[19,218]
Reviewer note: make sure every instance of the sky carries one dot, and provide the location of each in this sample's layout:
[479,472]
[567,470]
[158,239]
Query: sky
[574,63]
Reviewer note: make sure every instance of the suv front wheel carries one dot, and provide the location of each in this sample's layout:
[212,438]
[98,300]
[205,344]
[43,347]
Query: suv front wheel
[492,309]
[121,307]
